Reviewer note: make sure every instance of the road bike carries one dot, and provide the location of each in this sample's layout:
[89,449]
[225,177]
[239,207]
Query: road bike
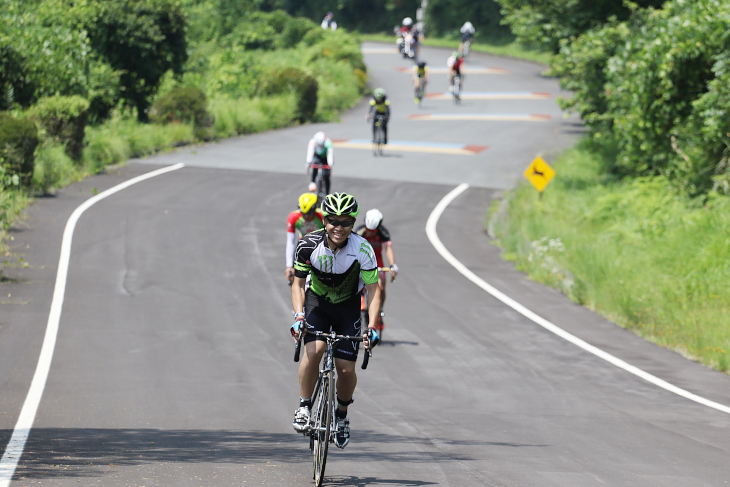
[321,433]
[457,88]
[467,45]
[420,91]
[364,315]
[378,135]
[320,189]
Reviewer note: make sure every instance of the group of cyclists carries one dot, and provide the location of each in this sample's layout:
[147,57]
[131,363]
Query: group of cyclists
[329,262]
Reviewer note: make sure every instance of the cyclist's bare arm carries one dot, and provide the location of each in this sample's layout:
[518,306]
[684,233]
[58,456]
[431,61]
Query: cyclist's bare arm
[391,258]
[373,305]
[297,296]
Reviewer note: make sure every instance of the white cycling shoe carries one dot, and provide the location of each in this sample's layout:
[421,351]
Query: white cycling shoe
[312,187]
[301,420]
[342,435]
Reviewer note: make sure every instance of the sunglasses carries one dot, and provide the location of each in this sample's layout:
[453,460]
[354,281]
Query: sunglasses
[344,223]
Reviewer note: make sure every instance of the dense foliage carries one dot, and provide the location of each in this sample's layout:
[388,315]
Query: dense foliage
[654,89]
[18,141]
[445,18]
[545,23]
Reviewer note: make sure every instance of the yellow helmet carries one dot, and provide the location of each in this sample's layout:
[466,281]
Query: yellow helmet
[307,201]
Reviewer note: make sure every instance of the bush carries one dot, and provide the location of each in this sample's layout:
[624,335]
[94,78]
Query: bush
[294,80]
[18,141]
[294,32]
[64,119]
[184,104]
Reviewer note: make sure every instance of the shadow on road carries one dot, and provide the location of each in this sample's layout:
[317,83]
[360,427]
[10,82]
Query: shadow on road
[366,481]
[88,452]
[394,343]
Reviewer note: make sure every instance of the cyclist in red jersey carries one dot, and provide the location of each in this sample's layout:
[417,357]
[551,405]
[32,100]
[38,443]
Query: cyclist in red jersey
[379,238]
[307,218]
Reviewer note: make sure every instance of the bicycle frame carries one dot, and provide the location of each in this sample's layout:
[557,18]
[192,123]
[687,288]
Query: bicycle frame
[379,134]
[321,433]
[319,180]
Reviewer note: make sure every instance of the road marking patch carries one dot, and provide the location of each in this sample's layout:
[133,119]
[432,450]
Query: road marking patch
[468,70]
[433,219]
[490,117]
[491,95]
[16,445]
[413,146]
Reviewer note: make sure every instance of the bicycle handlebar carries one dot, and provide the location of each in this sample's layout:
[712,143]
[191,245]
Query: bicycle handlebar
[334,338]
[316,165]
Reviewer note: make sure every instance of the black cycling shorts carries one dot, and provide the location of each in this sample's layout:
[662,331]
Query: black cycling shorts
[465,37]
[343,318]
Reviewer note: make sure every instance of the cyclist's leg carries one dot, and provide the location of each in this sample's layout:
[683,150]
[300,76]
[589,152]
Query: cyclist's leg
[375,119]
[385,130]
[317,320]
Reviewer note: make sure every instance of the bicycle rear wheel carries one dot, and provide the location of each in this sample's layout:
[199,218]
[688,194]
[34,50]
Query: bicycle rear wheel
[457,89]
[321,195]
[322,427]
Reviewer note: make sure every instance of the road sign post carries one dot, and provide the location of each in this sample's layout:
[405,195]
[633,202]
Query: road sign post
[539,173]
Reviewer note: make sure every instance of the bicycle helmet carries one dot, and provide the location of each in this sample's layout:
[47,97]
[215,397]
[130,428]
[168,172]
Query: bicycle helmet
[320,138]
[422,64]
[307,202]
[340,204]
[379,93]
[373,218]
[408,21]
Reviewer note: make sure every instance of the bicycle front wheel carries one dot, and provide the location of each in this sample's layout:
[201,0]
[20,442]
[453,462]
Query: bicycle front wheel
[322,426]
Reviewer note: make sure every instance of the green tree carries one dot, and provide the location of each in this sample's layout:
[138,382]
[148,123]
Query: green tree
[544,23]
[143,39]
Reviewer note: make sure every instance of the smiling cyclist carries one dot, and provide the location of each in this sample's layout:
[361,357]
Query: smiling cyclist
[340,264]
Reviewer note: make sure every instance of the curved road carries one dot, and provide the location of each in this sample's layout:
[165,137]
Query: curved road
[173,364]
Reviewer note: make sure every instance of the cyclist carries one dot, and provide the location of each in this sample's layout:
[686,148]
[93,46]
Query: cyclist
[380,105]
[455,63]
[407,26]
[467,34]
[329,22]
[378,236]
[307,218]
[320,151]
[340,263]
[420,72]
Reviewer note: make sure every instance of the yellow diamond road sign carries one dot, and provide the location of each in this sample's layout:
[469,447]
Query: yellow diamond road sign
[539,173]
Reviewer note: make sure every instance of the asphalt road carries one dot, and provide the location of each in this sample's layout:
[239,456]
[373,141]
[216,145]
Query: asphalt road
[173,365]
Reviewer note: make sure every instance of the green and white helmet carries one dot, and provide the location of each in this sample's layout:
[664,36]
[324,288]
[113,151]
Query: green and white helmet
[379,93]
[340,204]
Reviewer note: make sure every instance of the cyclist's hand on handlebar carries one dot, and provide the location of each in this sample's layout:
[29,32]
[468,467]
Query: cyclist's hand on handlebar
[289,273]
[368,116]
[370,338]
[299,328]
[393,272]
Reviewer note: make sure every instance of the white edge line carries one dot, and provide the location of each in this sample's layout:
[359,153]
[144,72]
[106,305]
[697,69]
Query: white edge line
[436,242]
[16,445]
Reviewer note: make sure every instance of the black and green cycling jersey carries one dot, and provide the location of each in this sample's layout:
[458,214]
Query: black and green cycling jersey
[336,277]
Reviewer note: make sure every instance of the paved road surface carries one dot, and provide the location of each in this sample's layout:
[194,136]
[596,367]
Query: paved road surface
[173,364]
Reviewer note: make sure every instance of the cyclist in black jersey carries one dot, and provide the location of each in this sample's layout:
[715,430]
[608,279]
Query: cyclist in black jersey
[340,264]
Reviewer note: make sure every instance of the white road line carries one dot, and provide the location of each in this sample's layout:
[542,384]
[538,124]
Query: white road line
[436,242]
[14,450]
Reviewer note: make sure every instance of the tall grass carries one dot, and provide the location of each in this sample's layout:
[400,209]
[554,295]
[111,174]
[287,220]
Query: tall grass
[249,115]
[650,259]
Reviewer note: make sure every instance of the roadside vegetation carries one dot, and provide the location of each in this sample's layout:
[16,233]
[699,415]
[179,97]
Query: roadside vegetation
[87,84]
[635,224]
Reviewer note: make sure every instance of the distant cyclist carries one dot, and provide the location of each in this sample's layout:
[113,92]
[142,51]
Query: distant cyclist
[380,105]
[467,34]
[306,219]
[339,263]
[455,63]
[379,238]
[329,21]
[420,75]
[320,151]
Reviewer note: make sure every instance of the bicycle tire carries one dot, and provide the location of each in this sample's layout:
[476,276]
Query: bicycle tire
[322,428]
[320,187]
[457,89]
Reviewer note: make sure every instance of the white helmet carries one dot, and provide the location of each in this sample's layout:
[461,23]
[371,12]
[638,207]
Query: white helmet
[373,218]
[320,138]
[408,21]
[468,25]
